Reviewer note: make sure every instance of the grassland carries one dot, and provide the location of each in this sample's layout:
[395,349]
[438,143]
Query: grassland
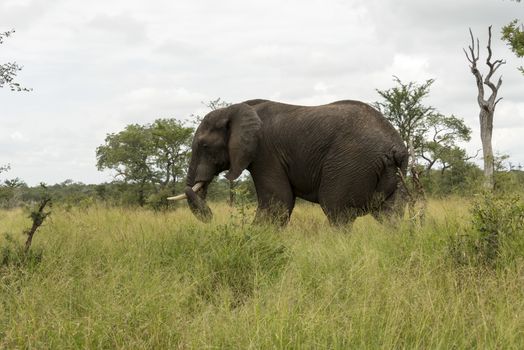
[128,278]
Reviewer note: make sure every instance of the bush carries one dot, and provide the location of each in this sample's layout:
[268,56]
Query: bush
[158,200]
[497,232]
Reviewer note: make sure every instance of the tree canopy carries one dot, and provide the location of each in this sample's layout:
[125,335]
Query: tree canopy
[439,141]
[431,136]
[9,70]
[402,106]
[513,35]
[152,155]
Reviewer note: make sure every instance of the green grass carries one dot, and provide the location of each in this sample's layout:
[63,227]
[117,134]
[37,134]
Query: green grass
[121,278]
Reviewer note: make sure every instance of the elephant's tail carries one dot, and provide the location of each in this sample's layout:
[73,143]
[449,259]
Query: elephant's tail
[401,158]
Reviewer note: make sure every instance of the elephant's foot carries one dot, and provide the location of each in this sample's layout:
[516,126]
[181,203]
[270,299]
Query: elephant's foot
[341,218]
[272,216]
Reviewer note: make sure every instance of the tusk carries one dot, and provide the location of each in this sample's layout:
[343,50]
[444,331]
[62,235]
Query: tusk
[177,198]
[195,189]
[197,186]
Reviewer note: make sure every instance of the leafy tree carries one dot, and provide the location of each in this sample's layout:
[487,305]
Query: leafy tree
[15,183]
[151,156]
[9,70]
[4,168]
[430,136]
[513,35]
[129,153]
[403,107]
[439,141]
[171,142]
[11,190]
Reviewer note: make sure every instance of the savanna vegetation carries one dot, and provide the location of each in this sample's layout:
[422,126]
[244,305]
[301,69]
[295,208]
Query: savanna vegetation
[113,277]
[115,265]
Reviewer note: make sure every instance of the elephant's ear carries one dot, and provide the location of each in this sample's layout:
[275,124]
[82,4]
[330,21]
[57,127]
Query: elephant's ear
[244,125]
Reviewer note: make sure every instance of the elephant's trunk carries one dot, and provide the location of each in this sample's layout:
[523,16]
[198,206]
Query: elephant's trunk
[195,193]
[197,203]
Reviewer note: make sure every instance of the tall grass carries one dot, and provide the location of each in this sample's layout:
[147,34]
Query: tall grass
[121,278]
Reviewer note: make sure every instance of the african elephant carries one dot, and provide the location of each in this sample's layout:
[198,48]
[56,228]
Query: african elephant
[344,156]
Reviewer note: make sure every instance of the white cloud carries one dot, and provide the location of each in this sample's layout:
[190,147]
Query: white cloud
[409,67]
[124,28]
[147,103]
[321,87]
[18,137]
[509,115]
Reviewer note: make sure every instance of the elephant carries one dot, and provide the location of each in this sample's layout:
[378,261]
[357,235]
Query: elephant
[345,156]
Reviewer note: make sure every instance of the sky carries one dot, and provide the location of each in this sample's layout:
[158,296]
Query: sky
[98,66]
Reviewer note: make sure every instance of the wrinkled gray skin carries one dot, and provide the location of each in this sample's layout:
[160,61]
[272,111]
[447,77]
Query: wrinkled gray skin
[344,156]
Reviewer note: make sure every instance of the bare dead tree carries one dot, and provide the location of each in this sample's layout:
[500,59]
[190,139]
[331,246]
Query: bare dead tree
[487,106]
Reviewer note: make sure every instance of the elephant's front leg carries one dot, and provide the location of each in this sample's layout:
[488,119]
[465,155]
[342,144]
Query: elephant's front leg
[275,199]
[273,212]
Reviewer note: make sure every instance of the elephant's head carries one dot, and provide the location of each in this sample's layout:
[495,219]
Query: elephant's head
[226,139]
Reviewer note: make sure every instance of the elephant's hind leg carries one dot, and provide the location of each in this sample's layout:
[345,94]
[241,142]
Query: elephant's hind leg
[389,198]
[344,196]
[389,211]
[339,217]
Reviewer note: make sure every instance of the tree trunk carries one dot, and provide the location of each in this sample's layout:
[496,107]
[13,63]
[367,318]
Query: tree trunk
[486,132]
[487,107]
[141,193]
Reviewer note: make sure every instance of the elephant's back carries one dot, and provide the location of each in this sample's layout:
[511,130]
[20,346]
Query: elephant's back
[342,113]
[353,120]
[347,122]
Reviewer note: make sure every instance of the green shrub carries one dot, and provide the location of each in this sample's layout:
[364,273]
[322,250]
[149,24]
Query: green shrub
[500,224]
[158,200]
[497,233]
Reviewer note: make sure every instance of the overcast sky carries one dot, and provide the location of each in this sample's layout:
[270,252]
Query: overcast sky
[97,66]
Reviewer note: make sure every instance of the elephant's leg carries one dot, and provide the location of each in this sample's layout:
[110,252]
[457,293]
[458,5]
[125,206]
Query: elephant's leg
[345,192]
[387,210]
[392,210]
[389,199]
[337,207]
[275,198]
[338,217]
